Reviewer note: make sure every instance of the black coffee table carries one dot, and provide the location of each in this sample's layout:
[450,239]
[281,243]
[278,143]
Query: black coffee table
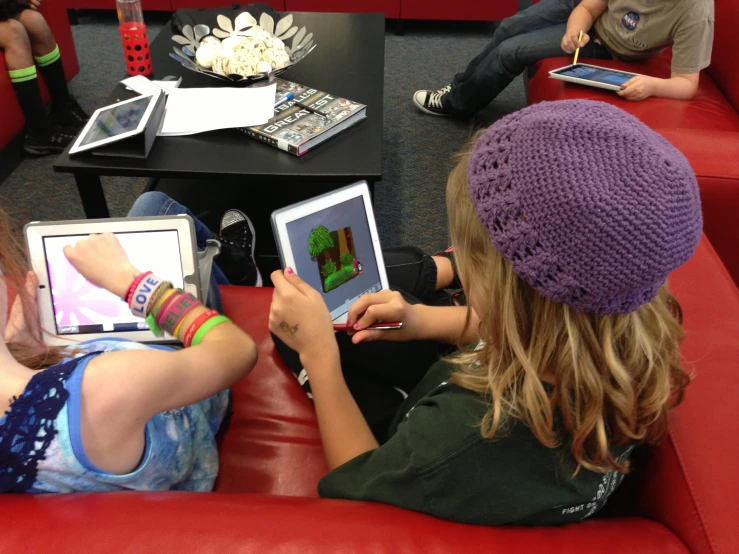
[348,61]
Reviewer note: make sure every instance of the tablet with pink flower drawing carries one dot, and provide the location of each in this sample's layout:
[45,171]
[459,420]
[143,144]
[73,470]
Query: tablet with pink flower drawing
[71,309]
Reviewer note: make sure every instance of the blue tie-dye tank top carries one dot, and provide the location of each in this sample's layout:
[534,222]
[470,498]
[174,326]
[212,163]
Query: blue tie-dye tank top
[41,446]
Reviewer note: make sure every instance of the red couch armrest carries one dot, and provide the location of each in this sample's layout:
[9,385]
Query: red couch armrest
[245,523]
[689,482]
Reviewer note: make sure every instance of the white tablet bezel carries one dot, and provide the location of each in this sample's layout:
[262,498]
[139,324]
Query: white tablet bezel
[283,216]
[153,97]
[35,232]
[554,75]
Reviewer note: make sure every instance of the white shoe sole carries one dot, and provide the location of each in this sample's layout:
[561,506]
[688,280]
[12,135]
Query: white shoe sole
[253,245]
[424,109]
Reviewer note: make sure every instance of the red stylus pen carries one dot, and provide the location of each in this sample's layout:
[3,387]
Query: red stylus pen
[377,326]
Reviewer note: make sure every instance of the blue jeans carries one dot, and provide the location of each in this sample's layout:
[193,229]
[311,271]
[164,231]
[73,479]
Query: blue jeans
[157,203]
[520,41]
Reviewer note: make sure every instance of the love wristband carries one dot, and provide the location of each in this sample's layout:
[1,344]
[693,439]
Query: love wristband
[142,295]
[206,327]
[195,325]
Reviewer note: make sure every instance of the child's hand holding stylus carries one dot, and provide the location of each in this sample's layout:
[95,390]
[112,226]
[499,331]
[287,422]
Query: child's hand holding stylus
[574,39]
[382,308]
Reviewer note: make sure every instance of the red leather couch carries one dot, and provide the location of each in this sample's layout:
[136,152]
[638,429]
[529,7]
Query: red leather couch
[11,118]
[681,497]
[705,129]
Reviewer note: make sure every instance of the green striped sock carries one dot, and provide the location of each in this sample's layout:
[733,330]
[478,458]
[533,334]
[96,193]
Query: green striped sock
[25,86]
[49,58]
[22,75]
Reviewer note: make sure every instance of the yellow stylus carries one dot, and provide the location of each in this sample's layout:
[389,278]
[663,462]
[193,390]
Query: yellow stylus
[577,50]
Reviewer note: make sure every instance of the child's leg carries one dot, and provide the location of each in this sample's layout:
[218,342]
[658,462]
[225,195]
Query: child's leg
[500,66]
[489,73]
[157,203]
[19,59]
[47,56]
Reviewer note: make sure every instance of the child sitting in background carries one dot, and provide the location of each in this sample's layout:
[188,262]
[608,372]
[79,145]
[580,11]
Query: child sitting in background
[566,219]
[25,37]
[620,29]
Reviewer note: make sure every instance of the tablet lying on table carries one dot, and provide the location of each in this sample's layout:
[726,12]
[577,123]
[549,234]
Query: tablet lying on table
[71,309]
[116,122]
[331,242]
[592,75]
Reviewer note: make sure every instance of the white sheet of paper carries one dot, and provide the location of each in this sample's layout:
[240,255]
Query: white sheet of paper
[142,85]
[197,110]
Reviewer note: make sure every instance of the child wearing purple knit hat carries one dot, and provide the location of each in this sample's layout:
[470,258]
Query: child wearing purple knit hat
[566,219]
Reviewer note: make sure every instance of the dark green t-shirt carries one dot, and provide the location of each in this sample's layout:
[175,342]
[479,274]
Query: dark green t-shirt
[437,462]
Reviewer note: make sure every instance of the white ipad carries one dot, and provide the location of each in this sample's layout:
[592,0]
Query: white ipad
[116,122]
[331,242]
[592,75]
[71,309]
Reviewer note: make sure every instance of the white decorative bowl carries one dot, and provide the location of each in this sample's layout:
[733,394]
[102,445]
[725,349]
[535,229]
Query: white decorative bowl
[243,26]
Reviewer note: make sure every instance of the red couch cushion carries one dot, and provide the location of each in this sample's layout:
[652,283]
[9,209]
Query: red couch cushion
[11,118]
[272,444]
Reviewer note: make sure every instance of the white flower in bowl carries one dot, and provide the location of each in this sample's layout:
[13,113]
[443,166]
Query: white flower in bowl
[190,39]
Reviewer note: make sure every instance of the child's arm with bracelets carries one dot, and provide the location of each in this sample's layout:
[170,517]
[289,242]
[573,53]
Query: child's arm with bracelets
[122,390]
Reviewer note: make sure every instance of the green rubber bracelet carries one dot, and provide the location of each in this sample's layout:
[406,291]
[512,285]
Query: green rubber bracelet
[151,322]
[207,326]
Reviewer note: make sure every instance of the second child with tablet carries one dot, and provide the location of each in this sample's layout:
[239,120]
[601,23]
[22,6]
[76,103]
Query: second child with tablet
[611,29]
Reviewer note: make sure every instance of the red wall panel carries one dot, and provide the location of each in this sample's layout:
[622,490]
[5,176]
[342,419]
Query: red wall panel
[492,10]
[391,8]
[177,4]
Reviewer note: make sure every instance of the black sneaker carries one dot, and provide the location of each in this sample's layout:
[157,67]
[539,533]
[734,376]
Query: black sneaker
[237,250]
[70,114]
[431,101]
[56,141]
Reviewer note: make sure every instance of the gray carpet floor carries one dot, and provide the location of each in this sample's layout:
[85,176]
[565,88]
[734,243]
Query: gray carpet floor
[418,152]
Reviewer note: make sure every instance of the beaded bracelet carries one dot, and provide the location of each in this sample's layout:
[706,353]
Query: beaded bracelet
[195,325]
[207,326]
[133,285]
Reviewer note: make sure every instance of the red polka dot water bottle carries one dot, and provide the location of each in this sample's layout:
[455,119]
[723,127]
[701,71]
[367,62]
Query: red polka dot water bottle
[134,37]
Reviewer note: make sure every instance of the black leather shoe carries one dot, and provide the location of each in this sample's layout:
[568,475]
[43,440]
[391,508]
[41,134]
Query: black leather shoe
[55,141]
[70,114]
[237,250]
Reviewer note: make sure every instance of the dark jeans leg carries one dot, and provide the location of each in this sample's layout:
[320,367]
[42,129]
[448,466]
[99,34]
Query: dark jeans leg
[157,203]
[381,374]
[521,40]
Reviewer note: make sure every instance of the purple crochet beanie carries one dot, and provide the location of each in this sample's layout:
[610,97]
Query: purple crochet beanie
[591,207]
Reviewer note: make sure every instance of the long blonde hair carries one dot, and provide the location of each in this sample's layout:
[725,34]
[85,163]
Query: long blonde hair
[612,378]
[14,266]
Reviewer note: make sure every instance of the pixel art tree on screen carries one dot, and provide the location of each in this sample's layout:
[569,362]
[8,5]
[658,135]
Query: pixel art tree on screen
[335,257]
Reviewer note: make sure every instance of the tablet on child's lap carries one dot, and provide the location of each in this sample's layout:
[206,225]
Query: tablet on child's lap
[332,243]
[71,309]
[592,75]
